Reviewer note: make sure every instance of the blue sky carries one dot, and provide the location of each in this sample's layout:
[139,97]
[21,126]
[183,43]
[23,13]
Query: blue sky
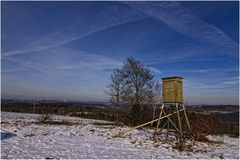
[67,50]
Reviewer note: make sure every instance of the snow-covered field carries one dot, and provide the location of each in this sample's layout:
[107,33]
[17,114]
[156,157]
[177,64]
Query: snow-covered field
[21,137]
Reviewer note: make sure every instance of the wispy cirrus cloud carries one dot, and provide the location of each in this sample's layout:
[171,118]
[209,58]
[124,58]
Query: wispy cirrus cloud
[224,86]
[156,70]
[62,60]
[210,71]
[179,59]
[49,66]
[105,18]
[183,21]
[10,70]
[231,81]
[28,64]
[173,14]
[186,54]
[86,60]
[67,71]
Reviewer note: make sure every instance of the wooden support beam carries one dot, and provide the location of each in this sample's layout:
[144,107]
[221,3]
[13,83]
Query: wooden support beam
[157,119]
[145,123]
[172,121]
[163,126]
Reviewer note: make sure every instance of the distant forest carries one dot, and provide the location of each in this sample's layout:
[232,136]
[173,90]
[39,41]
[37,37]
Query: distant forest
[222,119]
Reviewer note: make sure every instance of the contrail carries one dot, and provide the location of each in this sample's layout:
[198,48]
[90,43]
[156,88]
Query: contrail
[29,64]
[172,14]
[106,18]
[84,60]
[179,18]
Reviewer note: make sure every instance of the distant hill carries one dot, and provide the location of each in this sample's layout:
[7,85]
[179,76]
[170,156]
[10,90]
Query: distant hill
[227,108]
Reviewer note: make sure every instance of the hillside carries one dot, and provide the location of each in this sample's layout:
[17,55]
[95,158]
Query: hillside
[23,137]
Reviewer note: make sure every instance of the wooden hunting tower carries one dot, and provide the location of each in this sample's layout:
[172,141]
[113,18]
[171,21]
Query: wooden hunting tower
[172,90]
[172,116]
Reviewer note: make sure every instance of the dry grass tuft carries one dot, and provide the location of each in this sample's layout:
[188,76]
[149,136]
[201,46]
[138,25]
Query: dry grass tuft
[118,134]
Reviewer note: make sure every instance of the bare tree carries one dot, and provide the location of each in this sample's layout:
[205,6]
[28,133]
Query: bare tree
[132,85]
[139,81]
[156,98]
[117,91]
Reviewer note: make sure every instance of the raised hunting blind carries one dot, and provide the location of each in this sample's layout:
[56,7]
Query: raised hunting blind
[172,90]
[172,116]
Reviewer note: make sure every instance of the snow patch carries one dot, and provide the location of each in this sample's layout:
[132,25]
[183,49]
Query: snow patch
[26,139]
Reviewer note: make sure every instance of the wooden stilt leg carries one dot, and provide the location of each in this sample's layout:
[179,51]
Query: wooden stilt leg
[172,121]
[186,118]
[163,126]
[159,120]
[179,121]
[160,115]
[167,129]
[154,108]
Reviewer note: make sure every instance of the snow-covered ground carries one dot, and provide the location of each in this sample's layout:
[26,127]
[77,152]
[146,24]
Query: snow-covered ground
[22,138]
